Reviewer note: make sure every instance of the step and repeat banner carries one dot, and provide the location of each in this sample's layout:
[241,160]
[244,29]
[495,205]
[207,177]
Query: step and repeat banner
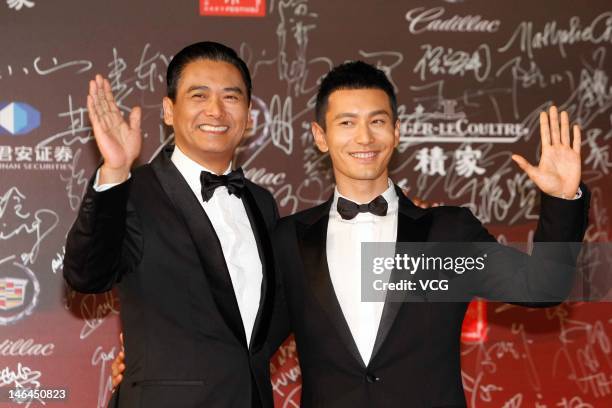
[471,78]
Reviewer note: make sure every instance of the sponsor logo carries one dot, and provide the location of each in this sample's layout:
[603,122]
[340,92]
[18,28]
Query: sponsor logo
[449,126]
[18,118]
[238,8]
[12,292]
[36,158]
[19,291]
[421,20]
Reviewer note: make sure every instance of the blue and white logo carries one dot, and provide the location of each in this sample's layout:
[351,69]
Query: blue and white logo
[18,118]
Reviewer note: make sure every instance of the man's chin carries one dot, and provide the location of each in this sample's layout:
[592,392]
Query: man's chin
[367,176]
[216,149]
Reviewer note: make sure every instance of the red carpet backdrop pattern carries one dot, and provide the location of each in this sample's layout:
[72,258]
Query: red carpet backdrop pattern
[471,77]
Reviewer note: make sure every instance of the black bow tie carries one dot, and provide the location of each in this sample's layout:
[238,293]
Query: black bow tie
[234,181]
[349,210]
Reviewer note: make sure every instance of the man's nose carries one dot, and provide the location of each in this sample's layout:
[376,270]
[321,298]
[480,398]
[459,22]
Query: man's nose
[364,135]
[214,107]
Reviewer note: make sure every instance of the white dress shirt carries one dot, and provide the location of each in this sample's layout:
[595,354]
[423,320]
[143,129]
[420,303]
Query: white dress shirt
[344,238]
[231,223]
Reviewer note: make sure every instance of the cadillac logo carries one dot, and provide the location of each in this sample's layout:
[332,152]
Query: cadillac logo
[19,291]
[12,292]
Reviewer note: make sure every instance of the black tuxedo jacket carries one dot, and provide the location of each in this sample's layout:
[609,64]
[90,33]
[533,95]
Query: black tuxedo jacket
[416,356]
[184,338]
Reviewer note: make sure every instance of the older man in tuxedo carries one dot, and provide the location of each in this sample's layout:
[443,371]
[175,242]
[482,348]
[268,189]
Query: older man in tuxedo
[185,239]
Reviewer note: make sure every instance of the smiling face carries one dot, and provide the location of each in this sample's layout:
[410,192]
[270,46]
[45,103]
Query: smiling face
[210,112]
[360,137]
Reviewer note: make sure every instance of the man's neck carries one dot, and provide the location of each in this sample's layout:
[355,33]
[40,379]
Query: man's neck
[362,191]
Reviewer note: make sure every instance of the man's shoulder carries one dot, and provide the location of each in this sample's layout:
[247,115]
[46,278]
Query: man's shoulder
[450,215]
[307,216]
[449,211]
[263,196]
[143,170]
[256,189]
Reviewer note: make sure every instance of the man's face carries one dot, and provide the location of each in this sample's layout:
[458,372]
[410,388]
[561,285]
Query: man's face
[211,111]
[360,134]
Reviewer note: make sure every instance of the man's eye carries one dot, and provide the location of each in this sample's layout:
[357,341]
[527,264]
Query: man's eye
[199,96]
[346,123]
[378,121]
[231,97]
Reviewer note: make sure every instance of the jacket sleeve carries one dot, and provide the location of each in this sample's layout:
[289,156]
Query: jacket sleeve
[104,242]
[545,277]
[281,327]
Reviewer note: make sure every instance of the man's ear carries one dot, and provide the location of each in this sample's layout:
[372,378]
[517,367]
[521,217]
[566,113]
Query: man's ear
[168,107]
[319,137]
[249,124]
[396,132]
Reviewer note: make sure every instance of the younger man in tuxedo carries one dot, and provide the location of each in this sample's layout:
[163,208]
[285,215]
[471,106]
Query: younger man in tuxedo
[373,354]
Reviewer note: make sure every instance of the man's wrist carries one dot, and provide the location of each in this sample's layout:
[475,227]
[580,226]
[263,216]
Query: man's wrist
[113,176]
[574,196]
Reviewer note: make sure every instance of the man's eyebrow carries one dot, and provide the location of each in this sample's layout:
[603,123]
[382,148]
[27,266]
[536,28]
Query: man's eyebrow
[207,88]
[233,89]
[198,88]
[345,115]
[354,115]
[379,112]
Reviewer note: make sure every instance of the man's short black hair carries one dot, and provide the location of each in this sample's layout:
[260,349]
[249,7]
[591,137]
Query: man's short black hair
[353,75]
[207,50]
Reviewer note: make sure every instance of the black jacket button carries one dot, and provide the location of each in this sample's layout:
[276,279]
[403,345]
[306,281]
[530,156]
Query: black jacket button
[371,378]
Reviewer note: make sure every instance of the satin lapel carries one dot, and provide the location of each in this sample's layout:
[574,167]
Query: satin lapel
[205,240]
[262,238]
[312,236]
[412,226]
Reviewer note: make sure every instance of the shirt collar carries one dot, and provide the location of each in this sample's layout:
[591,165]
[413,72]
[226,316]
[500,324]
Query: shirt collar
[389,194]
[189,168]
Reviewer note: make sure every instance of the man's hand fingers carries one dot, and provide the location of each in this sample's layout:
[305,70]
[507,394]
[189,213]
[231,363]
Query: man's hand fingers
[117,380]
[101,105]
[100,97]
[93,95]
[555,134]
[577,139]
[524,165]
[544,130]
[565,129]
[135,117]
[99,94]
[109,97]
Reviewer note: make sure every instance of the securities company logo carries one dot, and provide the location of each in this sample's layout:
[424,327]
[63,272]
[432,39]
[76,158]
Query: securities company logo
[238,8]
[19,291]
[18,118]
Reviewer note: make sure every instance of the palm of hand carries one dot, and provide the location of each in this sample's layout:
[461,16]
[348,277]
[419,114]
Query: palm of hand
[119,142]
[559,170]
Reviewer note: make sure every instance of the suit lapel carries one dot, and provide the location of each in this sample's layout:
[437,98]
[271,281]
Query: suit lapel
[411,227]
[312,236]
[264,248]
[205,240]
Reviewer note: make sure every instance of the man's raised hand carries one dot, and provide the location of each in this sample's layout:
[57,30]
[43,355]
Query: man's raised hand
[558,173]
[119,142]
